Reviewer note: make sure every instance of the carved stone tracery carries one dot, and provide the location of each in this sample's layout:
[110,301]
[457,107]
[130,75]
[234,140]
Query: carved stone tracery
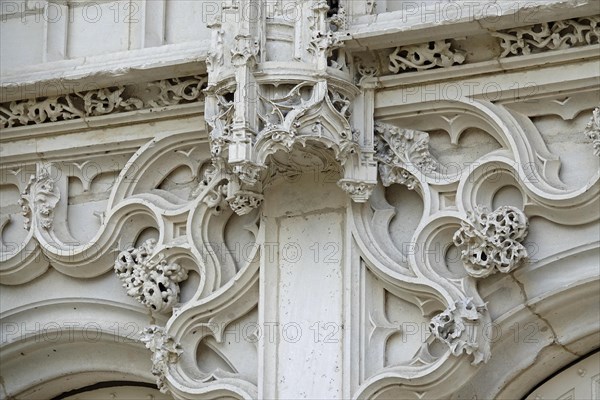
[245,132]
[255,118]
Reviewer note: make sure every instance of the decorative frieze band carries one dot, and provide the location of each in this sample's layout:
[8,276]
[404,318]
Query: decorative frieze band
[425,56]
[103,101]
[546,36]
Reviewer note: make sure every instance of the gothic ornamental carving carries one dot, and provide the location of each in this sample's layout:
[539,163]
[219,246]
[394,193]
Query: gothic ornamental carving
[358,191]
[490,241]
[165,352]
[92,103]
[399,149]
[546,36]
[285,273]
[592,130]
[149,278]
[459,326]
[425,56]
[244,202]
[255,119]
[364,72]
[39,199]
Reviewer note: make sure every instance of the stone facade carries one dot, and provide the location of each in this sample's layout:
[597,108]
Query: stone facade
[298,199]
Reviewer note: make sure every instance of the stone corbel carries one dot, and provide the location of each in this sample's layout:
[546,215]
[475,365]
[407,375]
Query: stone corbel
[249,118]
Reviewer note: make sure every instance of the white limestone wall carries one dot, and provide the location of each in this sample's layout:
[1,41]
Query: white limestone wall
[36,32]
[297,284]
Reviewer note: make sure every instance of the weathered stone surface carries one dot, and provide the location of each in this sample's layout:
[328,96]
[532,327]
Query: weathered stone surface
[321,199]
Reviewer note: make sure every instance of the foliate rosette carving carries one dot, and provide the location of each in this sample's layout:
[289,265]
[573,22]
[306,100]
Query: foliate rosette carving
[425,56]
[39,199]
[490,242]
[164,353]
[397,149]
[357,190]
[546,36]
[459,326]
[149,278]
[592,130]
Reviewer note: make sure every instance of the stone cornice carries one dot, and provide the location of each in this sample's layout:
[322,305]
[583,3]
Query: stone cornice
[553,42]
[439,22]
[176,181]
[125,133]
[122,68]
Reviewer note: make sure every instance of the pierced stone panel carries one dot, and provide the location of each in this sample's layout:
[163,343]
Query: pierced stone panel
[148,278]
[103,101]
[490,241]
[556,35]
[457,327]
[425,56]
